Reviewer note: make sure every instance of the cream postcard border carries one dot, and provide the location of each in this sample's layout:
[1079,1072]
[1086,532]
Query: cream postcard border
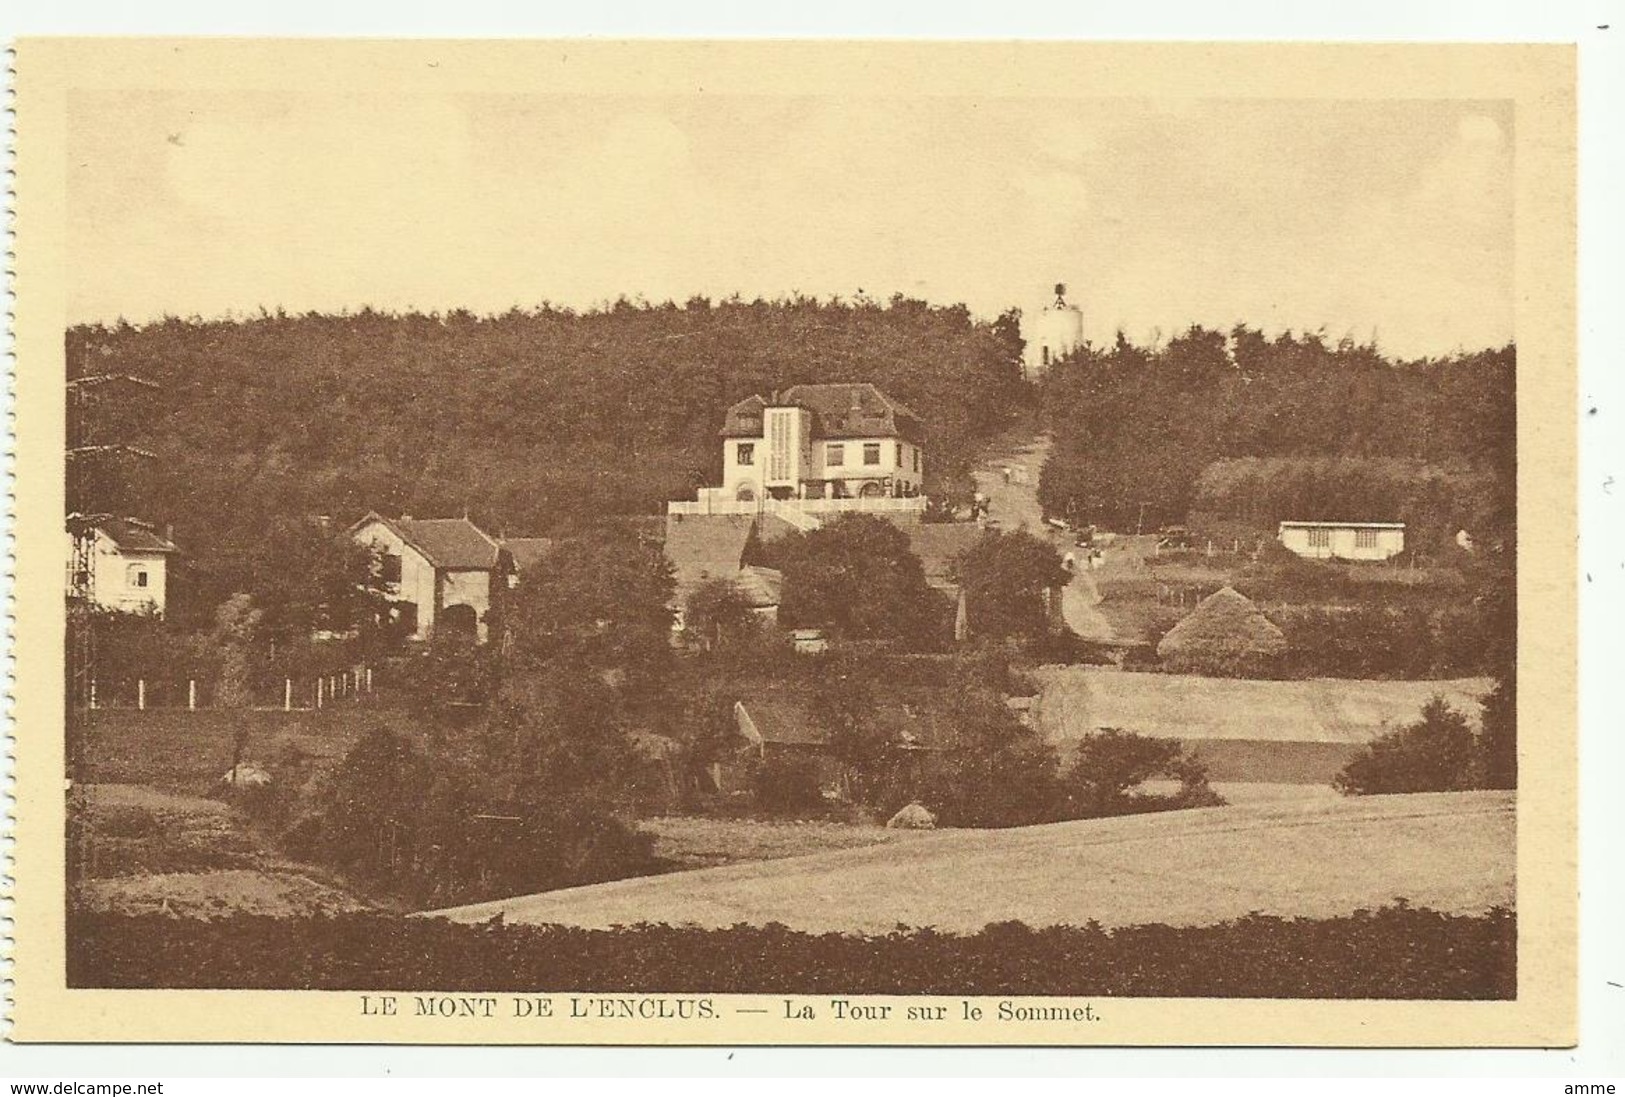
[1539,79]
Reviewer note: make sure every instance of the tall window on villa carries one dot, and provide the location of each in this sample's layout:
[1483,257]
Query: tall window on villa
[834,455]
[871,453]
[391,568]
[746,454]
[1320,538]
[137,575]
[1365,538]
[778,446]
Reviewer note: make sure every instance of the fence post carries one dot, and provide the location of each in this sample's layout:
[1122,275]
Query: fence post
[191,695]
[141,695]
[369,679]
[318,692]
[287,695]
[93,693]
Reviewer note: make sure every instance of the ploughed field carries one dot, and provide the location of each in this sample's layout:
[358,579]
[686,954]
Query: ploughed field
[1314,857]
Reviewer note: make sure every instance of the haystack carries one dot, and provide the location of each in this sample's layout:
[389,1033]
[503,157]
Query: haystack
[912,816]
[1224,633]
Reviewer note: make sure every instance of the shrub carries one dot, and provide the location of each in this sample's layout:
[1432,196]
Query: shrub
[1438,753]
[1398,952]
[1111,765]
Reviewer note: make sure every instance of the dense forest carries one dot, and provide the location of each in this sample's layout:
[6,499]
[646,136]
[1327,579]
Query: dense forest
[533,422]
[1241,427]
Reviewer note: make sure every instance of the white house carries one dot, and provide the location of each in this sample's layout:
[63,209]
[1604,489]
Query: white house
[432,568]
[128,566]
[1344,540]
[817,449]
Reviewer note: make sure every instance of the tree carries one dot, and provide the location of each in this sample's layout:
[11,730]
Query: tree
[844,704]
[1499,739]
[1437,753]
[1007,577]
[1111,765]
[857,577]
[306,577]
[718,614]
[996,773]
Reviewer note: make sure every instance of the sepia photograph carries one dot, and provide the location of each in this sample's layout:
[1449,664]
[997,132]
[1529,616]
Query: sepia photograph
[821,535]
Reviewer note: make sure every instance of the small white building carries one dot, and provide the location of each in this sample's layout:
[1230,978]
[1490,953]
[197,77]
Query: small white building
[1050,334]
[432,568]
[1344,540]
[128,567]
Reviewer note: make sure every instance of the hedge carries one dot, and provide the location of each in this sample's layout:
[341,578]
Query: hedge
[1396,952]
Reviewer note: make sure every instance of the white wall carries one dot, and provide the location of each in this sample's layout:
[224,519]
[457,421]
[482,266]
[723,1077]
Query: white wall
[811,463]
[1058,330]
[1341,543]
[113,573]
[467,588]
[417,574]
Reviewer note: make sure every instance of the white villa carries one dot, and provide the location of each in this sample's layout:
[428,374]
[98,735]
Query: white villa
[1344,540]
[129,565]
[817,449]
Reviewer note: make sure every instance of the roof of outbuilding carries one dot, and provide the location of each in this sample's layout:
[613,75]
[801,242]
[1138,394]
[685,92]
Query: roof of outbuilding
[527,552]
[451,544]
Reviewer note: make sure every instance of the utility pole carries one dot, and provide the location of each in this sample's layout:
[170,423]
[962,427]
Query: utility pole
[87,459]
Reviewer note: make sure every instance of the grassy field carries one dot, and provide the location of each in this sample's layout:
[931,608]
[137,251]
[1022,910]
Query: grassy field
[1076,701]
[1453,852]
[188,752]
[192,856]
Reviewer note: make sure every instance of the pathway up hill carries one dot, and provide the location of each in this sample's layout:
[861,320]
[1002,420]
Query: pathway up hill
[1008,476]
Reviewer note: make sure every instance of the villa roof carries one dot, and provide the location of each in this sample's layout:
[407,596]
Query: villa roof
[854,409]
[450,544]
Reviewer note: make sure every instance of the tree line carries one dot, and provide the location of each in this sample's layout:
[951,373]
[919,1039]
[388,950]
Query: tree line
[1145,435]
[533,422]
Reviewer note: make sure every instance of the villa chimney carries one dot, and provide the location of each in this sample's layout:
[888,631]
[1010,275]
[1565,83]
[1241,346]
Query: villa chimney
[169,531]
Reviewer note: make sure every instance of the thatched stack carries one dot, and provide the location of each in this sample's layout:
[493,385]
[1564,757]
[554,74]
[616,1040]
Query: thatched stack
[1225,634]
[912,816]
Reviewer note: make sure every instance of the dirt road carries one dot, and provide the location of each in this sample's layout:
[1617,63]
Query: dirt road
[1008,477]
[1329,856]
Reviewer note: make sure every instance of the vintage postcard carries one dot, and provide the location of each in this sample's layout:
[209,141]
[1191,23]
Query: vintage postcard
[606,542]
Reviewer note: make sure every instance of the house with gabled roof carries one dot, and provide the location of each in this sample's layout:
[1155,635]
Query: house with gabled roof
[126,567]
[439,573]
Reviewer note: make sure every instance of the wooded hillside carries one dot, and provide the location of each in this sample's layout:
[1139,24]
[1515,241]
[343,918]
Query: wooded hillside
[533,422]
[1351,434]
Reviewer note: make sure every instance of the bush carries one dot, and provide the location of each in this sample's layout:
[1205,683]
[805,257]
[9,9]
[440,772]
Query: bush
[1110,766]
[1066,646]
[1438,753]
[787,786]
[448,832]
[1399,952]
